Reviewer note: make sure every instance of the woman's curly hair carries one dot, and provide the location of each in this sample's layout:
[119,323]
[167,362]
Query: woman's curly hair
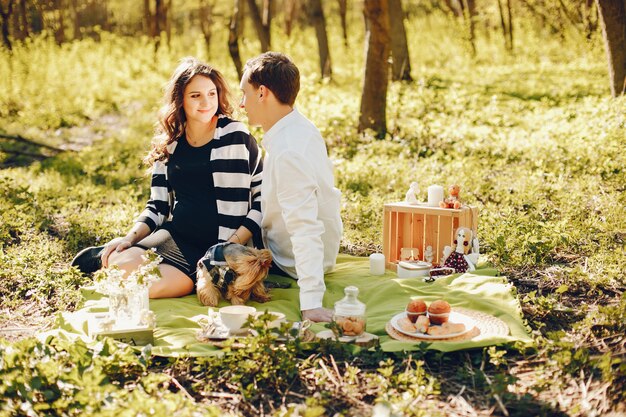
[172,119]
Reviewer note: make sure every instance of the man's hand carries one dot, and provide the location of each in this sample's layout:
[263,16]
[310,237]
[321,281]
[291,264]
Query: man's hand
[317,315]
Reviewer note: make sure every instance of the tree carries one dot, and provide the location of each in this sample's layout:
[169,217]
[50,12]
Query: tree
[400,64]
[590,21]
[6,15]
[374,92]
[59,31]
[24,19]
[206,23]
[20,21]
[233,37]
[148,20]
[157,22]
[469,14]
[74,6]
[167,23]
[613,21]
[291,12]
[507,27]
[262,23]
[510,17]
[160,21]
[316,14]
[343,11]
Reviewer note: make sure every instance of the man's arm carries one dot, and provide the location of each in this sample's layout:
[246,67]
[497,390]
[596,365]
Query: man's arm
[297,190]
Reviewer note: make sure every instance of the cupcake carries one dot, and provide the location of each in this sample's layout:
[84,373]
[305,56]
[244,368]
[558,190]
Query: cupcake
[439,311]
[415,309]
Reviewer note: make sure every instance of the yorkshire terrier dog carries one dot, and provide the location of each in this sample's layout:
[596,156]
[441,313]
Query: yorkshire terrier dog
[232,271]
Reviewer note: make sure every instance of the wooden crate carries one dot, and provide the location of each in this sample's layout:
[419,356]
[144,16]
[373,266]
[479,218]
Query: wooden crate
[419,226]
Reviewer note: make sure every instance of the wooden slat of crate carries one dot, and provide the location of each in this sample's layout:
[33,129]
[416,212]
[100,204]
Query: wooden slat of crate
[417,226]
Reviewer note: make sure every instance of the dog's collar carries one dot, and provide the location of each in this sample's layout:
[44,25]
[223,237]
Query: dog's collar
[215,263]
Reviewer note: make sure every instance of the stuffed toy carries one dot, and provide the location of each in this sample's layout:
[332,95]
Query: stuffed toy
[453,201]
[428,254]
[464,256]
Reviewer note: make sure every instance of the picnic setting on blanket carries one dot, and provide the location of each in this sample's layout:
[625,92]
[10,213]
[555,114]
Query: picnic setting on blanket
[427,290]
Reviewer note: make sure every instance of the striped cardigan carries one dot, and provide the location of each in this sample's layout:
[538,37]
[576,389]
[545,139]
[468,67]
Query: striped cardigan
[237,168]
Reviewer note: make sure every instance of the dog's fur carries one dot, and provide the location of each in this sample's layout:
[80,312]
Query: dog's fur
[250,266]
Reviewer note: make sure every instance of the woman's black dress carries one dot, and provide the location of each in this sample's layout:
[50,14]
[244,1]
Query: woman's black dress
[184,239]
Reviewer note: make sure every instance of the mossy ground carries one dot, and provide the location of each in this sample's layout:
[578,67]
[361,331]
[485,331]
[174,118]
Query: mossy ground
[534,139]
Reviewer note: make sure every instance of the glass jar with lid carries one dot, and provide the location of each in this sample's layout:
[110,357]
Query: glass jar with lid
[349,313]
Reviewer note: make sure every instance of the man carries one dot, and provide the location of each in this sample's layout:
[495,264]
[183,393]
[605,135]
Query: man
[300,205]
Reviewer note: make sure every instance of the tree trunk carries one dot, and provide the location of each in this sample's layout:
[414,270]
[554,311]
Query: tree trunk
[59,33]
[36,19]
[233,37]
[148,19]
[503,24]
[458,12]
[469,15]
[159,22]
[6,15]
[591,21]
[400,64]
[24,19]
[291,11]
[15,26]
[343,11]
[106,22]
[262,30]
[167,22]
[374,93]
[241,25]
[206,23]
[267,20]
[613,21]
[510,15]
[316,14]
[76,22]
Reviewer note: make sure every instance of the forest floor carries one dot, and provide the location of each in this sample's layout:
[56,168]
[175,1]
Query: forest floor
[535,140]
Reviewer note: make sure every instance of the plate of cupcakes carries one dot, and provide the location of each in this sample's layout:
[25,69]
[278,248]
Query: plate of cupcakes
[435,321]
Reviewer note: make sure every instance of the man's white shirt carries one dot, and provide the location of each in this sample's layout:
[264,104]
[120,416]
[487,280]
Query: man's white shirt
[300,205]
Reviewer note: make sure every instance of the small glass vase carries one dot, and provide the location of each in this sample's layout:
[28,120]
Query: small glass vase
[140,304]
[128,306]
[120,309]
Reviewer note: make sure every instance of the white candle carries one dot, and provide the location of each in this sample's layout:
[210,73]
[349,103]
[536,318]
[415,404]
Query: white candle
[435,195]
[377,264]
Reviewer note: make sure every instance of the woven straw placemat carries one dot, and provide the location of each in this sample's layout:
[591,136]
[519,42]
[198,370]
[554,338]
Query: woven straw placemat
[486,324]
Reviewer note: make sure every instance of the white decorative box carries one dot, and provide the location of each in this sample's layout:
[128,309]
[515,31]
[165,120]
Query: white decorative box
[100,325]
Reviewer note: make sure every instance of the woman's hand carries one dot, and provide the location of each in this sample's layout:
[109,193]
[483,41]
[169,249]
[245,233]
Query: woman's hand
[118,244]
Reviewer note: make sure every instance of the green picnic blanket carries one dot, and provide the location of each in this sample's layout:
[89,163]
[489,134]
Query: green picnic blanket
[483,290]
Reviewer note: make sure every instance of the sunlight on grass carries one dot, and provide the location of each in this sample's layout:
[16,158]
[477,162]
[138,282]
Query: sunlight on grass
[533,138]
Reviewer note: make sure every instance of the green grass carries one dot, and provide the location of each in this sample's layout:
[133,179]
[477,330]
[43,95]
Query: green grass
[534,139]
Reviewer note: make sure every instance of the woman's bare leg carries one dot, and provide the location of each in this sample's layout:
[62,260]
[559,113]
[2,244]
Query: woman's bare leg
[128,260]
[173,282]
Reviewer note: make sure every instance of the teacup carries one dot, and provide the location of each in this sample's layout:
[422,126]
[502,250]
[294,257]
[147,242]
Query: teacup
[233,317]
